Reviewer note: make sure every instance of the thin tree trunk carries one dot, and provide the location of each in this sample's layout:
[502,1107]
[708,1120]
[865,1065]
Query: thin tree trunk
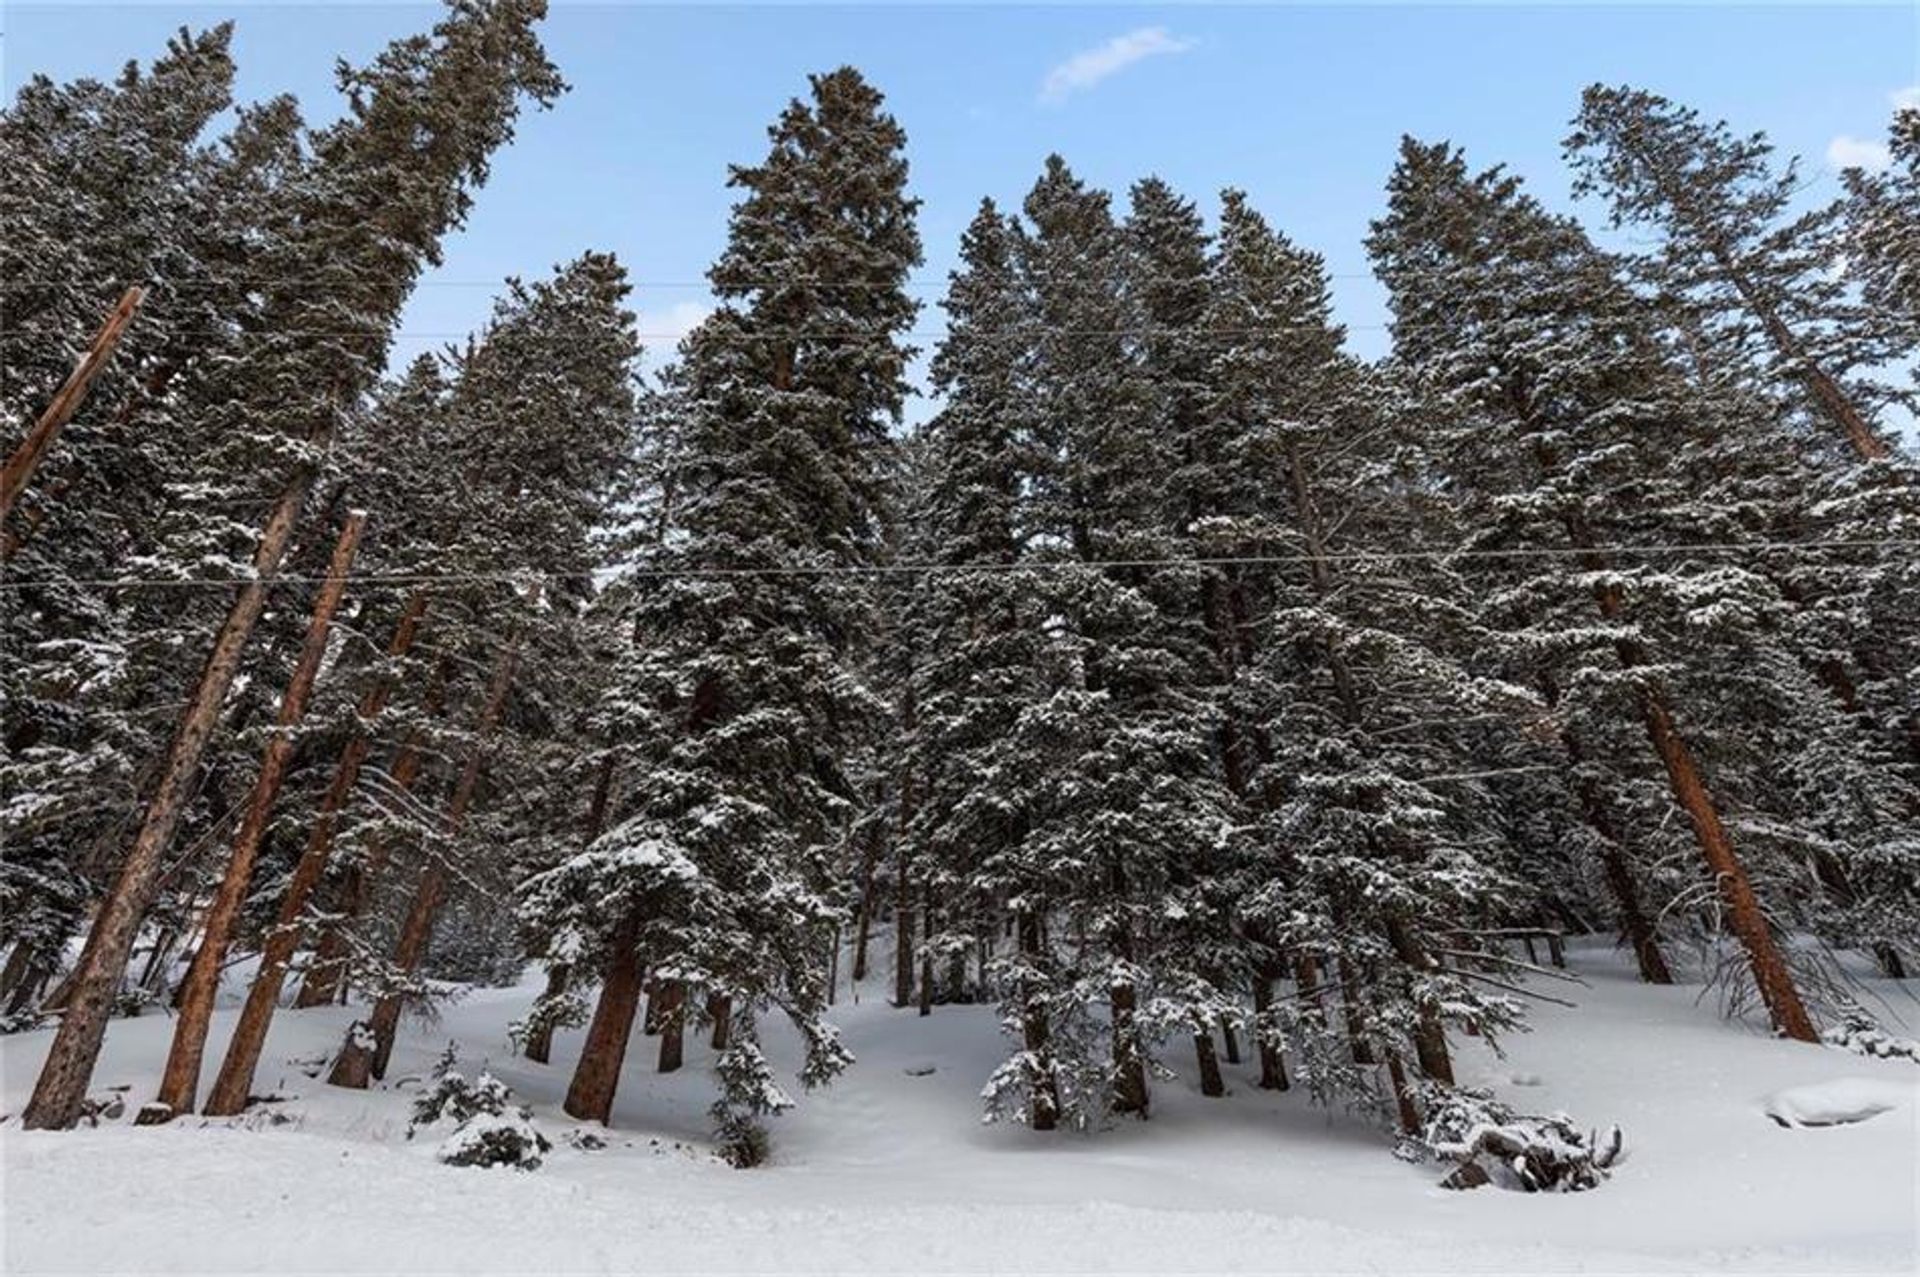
[1356,1024]
[597,1075]
[1043,1100]
[1634,922]
[1229,1041]
[1429,1037]
[1273,1074]
[181,1078]
[1402,1096]
[720,1011]
[1770,972]
[926,950]
[867,901]
[235,1080]
[673,1021]
[355,1062]
[539,1047]
[62,1086]
[19,468]
[1211,1083]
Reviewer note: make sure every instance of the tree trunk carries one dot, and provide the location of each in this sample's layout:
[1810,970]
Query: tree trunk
[19,468]
[1769,965]
[1429,1036]
[235,1080]
[1402,1096]
[325,980]
[1634,922]
[62,1086]
[539,1047]
[673,1023]
[1229,1040]
[864,924]
[350,1068]
[720,1011]
[181,1078]
[1356,1024]
[597,1075]
[1211,1083]
[1043,1100]
[926,951]
[1273,1073]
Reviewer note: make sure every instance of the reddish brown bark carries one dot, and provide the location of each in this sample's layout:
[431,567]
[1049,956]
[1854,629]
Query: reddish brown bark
[19,467]
[181,1078]
[235,1079]
[62,1085]
[1769,966]
[597,1075]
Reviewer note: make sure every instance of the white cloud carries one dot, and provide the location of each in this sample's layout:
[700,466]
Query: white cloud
[1851,152]
[1090,66]
[1907,99]
[661,330]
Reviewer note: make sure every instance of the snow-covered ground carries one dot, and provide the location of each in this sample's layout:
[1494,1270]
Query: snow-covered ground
[891,1170]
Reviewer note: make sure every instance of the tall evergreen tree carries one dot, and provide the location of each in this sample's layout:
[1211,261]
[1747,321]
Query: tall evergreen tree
[1731,242]
[736,707]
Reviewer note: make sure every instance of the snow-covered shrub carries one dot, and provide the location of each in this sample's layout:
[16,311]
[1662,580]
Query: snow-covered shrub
[1491,1144]
[495,1139]
[1861,1034]
[489,1129]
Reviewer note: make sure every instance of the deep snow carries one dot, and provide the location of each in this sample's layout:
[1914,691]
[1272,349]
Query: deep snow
[891,1169]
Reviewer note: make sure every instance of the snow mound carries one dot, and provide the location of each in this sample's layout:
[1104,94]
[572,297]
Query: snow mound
[1840,1102]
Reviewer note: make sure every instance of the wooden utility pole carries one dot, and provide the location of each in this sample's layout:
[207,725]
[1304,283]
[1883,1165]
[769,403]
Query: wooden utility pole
[181,1078]
[34,448]
[62,1086]
[235,1081]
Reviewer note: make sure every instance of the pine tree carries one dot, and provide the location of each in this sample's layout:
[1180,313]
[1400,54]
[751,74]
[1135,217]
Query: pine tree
[972,743]
[1732,245]
[736,706]
[1883,223]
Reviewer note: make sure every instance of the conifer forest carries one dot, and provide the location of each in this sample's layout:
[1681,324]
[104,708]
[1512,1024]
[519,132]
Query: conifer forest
[1057,764]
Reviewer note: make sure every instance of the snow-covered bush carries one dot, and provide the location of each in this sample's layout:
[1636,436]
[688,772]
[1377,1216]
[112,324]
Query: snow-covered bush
[1861,1034]
[1491,1144]
[489,1129]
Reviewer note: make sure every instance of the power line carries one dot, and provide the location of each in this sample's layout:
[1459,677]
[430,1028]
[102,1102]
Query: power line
[251,284]
[1042,566]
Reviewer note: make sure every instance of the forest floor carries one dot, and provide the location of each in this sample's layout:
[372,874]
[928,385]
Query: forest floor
[891,1169]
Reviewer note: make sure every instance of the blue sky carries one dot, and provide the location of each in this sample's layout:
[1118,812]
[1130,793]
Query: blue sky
[1301,105]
